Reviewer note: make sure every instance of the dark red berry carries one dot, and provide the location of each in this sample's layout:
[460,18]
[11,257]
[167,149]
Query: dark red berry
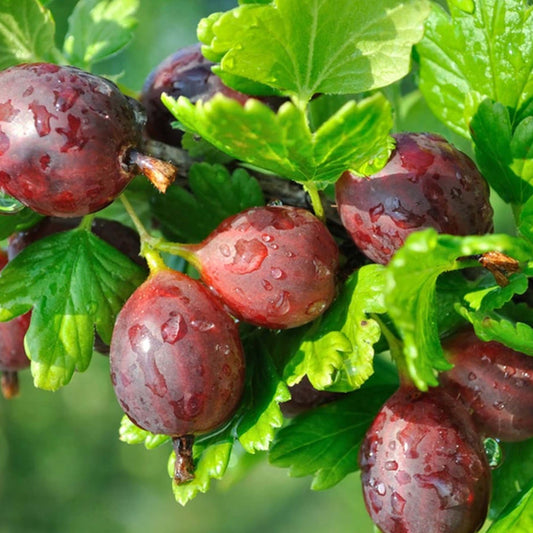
[68,139]
[184,73]
[426,183]
[272,266]
[423,466]
[12,353]
[494,382]
[177,363]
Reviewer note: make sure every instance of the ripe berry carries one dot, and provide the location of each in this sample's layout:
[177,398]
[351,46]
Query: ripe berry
[184,73]
[68,139]
[426,183]
[12,353]
[305,397]
[177,364]
[272,266]
[423,466]
[494,382]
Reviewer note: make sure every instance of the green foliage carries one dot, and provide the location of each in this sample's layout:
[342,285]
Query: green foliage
[72,282]
[98,29]
[283,143]
[301,48]
[518,517]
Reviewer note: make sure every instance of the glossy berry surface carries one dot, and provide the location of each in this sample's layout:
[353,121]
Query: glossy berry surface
[12,353]
[494,382]
[426,183]
[64,138]
[423,466]
[272,266]
[184,73]
[177,364]
[305,397]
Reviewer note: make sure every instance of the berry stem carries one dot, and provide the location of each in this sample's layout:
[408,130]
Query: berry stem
[316,201]
[187,251]
[148,243]
[184,465]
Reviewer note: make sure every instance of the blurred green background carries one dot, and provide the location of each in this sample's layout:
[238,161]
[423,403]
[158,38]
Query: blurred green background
[62,467]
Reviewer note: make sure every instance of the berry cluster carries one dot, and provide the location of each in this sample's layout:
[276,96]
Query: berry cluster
[70,144]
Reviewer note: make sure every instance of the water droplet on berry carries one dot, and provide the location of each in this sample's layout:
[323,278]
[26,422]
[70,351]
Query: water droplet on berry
[391,465]
[41,118]
[142,342]
[321,269]
[266,285]
[397,503]
[225,250]
[316,307]
[277,273]
[202,325]
[174,329]
[472,376]
[281,306]
[249,256]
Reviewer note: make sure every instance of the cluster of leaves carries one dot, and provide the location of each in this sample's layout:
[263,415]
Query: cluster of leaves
[343,66]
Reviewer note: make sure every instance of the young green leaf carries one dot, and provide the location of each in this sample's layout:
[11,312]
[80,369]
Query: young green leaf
[512,476]
[503,153]
[74,281]
[525,223]
[499,38]
[410,293]
[307,47]
[132,434]
[484,309]
[283,143]
[265,390]
[10,224]
[518,516]
[99,29]
[215,195]
[210,463]
[27,32]
[338,351]
[325,442]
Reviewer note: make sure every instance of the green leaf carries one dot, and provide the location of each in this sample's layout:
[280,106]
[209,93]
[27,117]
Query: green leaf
[99,29]
[305,47]
[337,353]
[210,463]
[498,38]
[132,434]
[518,516]
[325,442]
[484,309]
[261,414]
[27,32]
[10,224]
[282,143]
[512,477]
[74,281]
[526,220]
[505,157]
[410,294]
[215,195]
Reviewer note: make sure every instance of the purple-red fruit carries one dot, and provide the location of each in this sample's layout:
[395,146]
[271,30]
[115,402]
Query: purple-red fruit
[494,382]
[67,139]
[184,73]
[12,353]
[426,183]
[305,397]
[272,266]
[423,466]
[177,363]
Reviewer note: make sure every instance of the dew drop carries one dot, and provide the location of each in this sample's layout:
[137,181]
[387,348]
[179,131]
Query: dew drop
[202,325]
[174,329]
[41,118]
[397,503]
[249,256]
[266,285]
[321,269]
[381,489]
[391,466]
[267,238]
[225,250]
[281,306]
[44,161]
[4,142]
[7,111]
[472,376]
[142,342]
[499,405]
[277,273]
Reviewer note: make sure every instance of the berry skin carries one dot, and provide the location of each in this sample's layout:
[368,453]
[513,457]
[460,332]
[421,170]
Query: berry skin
[184,73]
[305,397]
[67,139]
[272,266]
[177,364]
[12,353]
[422,462]
[494,382]
[426,183]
